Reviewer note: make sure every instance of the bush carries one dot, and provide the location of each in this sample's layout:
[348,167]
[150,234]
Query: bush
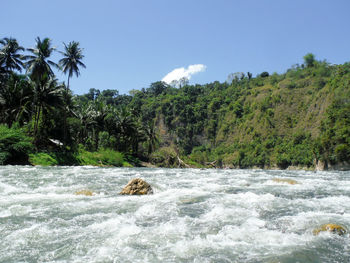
[164,157]
[103,157]
[264,74]
[15,146]
[43,159]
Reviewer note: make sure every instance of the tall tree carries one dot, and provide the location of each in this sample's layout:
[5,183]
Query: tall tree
[151,137]
[309,60]
[70,63]
[10,59]
[15,100]
[47,97]
[72,60]
[38,64]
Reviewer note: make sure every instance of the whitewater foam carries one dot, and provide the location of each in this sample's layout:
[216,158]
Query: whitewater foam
[193,216]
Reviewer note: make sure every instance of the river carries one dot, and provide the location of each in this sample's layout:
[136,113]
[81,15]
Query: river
[194,215]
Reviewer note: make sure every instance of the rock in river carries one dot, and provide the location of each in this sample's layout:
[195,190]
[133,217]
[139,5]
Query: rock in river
[284,180]
[333,228]
[137,186]
[85,192]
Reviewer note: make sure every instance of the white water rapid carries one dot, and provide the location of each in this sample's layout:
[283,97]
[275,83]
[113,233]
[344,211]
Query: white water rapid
[193,216]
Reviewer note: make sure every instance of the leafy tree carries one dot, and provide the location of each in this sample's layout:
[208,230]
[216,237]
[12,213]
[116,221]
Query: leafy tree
[264,74]
[151,137]
[38,64]
[47,97]
[109,96]
[16,96]
[72,60]
[309,60]
[70,63]
[157,88]
[10,59]
[250,75]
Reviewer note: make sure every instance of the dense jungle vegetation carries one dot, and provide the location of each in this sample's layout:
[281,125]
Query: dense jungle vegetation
[271,120]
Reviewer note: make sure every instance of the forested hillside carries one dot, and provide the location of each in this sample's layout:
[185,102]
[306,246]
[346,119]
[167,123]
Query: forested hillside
[298,118]
[291,119]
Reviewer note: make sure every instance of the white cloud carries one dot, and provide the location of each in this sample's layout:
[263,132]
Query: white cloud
[180,73]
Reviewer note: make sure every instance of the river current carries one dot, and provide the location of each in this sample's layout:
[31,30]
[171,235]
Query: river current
[193,216]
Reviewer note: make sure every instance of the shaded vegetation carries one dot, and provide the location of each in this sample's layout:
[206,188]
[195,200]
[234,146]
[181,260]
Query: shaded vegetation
[272,120]
[14,145]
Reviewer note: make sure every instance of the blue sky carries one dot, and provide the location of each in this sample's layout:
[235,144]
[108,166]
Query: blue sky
[132,43]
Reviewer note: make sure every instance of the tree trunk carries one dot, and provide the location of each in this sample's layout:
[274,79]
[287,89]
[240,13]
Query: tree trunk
[36,124]
[65,120]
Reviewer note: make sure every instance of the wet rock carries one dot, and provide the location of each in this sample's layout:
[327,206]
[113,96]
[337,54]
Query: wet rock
[284,180]
[333,228]
[85,192]
[137,186]
[320,165]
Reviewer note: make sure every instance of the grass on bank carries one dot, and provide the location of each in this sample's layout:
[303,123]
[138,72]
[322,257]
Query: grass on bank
[103,157]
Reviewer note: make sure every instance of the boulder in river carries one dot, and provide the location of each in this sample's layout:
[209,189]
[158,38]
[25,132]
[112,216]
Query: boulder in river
[84,192]
[137,186]
[333,228]
[284,180]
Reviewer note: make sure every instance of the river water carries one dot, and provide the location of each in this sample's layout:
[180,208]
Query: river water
[193,216]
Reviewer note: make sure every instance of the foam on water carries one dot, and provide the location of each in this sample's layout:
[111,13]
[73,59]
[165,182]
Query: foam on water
[194,215]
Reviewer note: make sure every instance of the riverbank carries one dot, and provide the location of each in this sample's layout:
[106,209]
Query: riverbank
[110,158]
[102,158]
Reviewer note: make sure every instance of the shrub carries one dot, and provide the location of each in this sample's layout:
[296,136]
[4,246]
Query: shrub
[15,146]
[101,158]
[43,159]
[264,74]
[309,60]
[164,157]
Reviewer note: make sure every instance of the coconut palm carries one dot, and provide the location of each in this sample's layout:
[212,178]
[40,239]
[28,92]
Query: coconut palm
[38,64]
[10,59]
[15,100]
[70,63]
[47,97]
[71,60]
[83,113]
[151,137]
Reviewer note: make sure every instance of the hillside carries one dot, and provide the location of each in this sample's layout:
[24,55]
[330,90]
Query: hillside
[300,118]
[292,119]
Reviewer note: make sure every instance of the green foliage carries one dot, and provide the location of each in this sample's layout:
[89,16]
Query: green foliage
[334,143]
[103,157]
[270,120]
[309,60]
[264,74]
[15,145]
[43,159]
[164,157]
[297,150]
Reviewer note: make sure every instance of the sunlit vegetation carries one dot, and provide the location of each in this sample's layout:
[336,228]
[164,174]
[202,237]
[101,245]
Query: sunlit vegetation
[271,120]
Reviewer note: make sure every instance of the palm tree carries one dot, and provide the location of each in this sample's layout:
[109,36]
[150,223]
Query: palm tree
[15,100]
[83,113]
[71,60]
[9,58]
[99,112]
[130,130]
[38,64]
[47,97]
[151,137]
[70,63]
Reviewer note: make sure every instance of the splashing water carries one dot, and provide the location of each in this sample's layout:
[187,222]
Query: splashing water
[193,216]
